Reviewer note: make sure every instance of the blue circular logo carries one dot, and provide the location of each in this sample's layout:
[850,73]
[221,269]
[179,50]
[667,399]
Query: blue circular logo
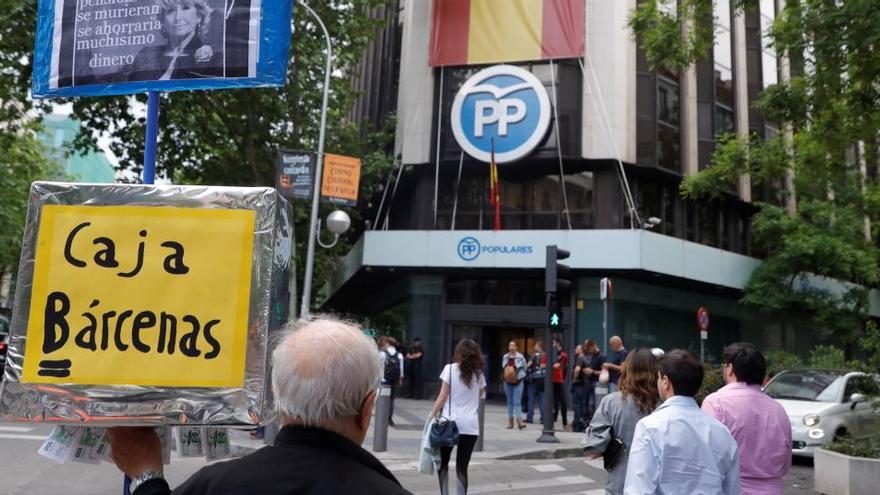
[504,105]
[468,249]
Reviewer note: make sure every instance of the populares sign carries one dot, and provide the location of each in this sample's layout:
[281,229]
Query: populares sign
[106,47]
[154,296]
[504,107]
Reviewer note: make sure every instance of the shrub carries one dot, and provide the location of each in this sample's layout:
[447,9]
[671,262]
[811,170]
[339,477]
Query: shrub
[827,357]
[712,381]
[779,360]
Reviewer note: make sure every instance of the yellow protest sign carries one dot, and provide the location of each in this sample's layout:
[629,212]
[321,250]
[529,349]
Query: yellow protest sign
[136,295]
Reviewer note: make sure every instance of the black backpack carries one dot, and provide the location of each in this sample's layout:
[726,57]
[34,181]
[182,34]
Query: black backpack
[392,367]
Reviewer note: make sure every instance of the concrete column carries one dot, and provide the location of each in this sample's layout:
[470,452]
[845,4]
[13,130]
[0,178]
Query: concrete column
[788,131]
[741,92]
[689,108]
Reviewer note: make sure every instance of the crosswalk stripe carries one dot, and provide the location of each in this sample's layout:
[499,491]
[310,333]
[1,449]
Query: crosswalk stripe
[547,468]
[16,429]
[13,436]
[476,488]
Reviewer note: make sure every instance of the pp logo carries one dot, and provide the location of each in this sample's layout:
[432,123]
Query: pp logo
[503,104]
[468,248]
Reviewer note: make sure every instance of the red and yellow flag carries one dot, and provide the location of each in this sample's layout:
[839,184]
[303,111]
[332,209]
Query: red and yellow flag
[466,32]
[495,188]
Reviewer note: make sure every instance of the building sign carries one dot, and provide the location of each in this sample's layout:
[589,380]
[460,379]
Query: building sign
[341,179]
[470,248]
[137,295]
[107,47]
[502,106]
[293,177]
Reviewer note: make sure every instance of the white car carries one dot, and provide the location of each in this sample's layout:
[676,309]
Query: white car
[824,404]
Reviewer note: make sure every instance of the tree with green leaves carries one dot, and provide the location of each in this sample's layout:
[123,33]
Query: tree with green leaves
[831,110]
[230,137]
[22,157]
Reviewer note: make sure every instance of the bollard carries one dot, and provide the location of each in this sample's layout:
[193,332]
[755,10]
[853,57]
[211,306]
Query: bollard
[380,426]
[481,418]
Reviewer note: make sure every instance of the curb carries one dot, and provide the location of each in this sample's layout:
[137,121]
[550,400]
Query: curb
[560,453]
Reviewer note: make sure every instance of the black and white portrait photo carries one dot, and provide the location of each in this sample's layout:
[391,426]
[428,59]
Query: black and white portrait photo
[119,41]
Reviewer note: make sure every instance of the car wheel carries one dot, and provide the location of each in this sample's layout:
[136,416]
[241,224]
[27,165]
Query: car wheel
[841,434]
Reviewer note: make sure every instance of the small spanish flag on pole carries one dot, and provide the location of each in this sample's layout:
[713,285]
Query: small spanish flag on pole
[495,188]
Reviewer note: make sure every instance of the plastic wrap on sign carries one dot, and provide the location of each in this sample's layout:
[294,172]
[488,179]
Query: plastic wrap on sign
[112,47]
[147,305]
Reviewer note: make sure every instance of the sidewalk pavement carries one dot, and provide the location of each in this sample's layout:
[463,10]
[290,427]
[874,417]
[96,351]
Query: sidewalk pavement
[498,442]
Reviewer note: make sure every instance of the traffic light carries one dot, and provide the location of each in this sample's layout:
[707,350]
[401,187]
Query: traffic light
[556,284]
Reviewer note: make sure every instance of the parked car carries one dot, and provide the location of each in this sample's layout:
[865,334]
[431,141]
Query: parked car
[825,404]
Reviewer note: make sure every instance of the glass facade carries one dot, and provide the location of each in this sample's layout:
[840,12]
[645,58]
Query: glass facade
[530,200]
[722,56]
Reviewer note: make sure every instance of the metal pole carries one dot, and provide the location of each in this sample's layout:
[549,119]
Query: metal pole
[605,324]
[380,423]
[149,177]
[702,350]
[316,187]
[152,137]
[481,420]
[547,434]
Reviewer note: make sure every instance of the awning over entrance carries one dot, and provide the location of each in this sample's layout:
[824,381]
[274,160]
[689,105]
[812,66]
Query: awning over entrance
[637,250]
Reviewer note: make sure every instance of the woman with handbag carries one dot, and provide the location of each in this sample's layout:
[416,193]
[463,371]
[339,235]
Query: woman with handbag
[611,431]
[455,410]
[514,365]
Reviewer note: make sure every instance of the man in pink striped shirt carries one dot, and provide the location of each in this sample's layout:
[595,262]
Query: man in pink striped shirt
[757,422]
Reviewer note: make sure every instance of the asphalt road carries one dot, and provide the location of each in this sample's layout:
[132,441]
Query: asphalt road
[23,471]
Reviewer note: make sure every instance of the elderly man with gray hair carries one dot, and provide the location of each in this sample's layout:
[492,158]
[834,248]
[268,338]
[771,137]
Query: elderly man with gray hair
[325,377]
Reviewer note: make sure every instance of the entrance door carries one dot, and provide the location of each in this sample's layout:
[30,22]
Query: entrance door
[493,341]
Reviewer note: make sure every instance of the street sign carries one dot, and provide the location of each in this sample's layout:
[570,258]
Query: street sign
[341,179]
[703,322]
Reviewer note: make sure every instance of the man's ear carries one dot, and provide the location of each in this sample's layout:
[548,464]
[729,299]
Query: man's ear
[366,413]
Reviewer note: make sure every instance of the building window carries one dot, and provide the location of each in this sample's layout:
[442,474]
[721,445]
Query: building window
[658,117]
[529,201]
[722,54]
[769,60]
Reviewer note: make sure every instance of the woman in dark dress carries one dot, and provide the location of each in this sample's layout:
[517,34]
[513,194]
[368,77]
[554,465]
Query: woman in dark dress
[187,53]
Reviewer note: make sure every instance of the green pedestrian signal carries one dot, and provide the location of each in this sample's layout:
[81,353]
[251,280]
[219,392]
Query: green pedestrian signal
[554,320]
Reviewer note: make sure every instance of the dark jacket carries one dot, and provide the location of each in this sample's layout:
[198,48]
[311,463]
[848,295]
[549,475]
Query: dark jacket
[303,461]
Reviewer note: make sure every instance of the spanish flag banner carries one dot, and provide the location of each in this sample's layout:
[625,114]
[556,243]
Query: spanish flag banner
[469,32]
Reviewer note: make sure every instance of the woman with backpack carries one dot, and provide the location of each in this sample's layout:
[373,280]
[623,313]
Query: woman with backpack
[514,366]
[462,385]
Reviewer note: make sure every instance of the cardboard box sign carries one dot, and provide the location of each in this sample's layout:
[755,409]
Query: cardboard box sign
[147,305]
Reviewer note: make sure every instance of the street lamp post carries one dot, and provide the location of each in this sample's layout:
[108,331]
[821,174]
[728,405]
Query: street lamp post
[316,187]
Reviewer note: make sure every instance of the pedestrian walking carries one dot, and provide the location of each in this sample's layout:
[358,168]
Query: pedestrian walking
[619,412]
[614,362]
[678,448]
[514,366]
[560,366]
[392,366]
[535,382]
[463,384]
[578,390]
[758,423]
[414,375]
[324,401]
[597,359]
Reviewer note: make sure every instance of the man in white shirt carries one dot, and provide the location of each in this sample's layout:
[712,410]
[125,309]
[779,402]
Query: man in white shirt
[678,449]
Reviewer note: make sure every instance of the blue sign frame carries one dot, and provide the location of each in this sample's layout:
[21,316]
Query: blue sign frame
[271,64]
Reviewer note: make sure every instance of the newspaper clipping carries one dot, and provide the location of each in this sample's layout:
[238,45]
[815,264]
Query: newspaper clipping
[116,41]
